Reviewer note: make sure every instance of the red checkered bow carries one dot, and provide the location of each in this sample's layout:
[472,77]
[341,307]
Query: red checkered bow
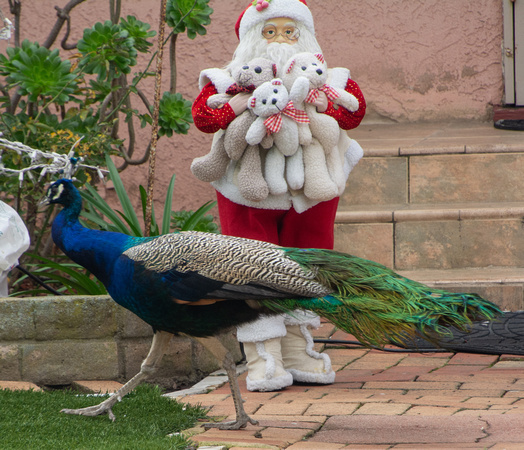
[236,89]
[331,93]
[274,123]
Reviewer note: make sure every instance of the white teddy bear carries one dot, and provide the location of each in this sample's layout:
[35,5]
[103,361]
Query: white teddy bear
[324,166]
[270,103]
[277,117]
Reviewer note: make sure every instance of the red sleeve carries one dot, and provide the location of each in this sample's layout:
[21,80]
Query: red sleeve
[348,120]
[207,119]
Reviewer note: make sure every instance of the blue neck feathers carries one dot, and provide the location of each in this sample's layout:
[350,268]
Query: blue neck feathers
[96,250]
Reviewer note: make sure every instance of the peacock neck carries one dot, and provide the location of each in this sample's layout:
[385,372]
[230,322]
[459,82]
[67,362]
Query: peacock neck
[95,250]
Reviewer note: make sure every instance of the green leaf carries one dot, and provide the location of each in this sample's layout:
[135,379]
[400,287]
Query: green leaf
[78,278]
[107,50]
[197,216]
[174,114]
[122,194]
[39,73]
[138,30]
[166,218]
[190,15]
[99,203]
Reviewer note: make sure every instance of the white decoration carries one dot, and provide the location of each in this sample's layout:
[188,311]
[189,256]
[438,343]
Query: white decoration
[45,162]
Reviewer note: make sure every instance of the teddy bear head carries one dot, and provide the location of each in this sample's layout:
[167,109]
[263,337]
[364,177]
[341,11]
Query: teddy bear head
[269,98]
[254,73]
[309,65]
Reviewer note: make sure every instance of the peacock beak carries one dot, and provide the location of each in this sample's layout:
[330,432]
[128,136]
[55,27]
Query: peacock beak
[44,201]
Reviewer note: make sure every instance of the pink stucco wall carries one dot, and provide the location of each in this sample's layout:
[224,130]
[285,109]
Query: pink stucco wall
[415,60]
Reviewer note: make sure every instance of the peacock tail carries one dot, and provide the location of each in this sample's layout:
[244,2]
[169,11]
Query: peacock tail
[377,305]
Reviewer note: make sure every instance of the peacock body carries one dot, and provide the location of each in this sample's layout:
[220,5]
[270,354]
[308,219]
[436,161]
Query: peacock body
[201,284]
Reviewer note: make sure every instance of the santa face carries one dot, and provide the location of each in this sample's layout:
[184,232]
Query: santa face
[277,39]
[281,30]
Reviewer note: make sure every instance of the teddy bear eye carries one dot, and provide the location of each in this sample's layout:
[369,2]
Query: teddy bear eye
[304,67]
[258,69]
[264,101]
[275,91]
[314,64]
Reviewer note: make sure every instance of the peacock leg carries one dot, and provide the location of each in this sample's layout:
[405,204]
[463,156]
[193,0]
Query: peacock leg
[219,351]
[149,366]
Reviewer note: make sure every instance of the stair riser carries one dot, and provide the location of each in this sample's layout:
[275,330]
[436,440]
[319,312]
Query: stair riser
[442,244]
[425,179]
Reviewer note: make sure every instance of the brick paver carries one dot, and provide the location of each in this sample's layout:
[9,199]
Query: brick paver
[378,402]
[19,386]
[386,397]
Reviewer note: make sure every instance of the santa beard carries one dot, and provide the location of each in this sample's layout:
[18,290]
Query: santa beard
[280,54]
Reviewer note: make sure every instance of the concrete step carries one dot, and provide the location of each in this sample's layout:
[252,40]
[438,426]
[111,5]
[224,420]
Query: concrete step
[414,237]
[436,163]
[503,286]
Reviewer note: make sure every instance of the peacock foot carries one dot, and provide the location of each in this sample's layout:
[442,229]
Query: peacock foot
[92,411]
[240,422]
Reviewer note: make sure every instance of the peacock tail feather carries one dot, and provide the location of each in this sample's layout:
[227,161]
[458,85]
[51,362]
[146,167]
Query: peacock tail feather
[377,305]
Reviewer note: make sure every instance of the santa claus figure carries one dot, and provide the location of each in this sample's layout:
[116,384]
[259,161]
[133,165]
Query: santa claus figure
[279,349]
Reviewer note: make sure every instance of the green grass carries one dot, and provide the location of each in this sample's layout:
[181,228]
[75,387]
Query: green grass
[32,420]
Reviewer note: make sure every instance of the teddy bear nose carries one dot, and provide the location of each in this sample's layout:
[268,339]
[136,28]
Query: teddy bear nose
[258,69]
[274,101]
[245,67]
[319,71]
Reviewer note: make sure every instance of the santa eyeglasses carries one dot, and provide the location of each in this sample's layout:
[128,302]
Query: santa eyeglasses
[289,32]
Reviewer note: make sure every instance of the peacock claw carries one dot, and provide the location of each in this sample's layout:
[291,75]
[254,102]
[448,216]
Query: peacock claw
[240,422]
[92,411]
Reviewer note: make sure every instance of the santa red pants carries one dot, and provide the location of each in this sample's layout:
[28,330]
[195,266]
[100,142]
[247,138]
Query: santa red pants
[311,229]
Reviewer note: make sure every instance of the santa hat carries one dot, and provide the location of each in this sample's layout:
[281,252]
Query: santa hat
[262,10]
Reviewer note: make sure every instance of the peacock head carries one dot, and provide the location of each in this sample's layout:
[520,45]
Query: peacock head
[63,192]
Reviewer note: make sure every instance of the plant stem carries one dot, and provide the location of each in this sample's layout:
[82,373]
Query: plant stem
[172,62]
[154,130]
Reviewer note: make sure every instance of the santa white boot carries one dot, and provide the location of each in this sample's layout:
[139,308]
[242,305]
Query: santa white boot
[262,344]
[300,359]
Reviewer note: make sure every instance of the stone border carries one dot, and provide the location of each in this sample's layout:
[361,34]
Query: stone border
[56,340]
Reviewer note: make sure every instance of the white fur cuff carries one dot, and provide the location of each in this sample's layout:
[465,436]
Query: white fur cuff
[262,329]
[299,317]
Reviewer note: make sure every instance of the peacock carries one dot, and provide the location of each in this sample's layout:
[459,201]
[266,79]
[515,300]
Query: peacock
[202,284]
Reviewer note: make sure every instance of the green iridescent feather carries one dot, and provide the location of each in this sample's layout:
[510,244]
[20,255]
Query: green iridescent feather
[377,305]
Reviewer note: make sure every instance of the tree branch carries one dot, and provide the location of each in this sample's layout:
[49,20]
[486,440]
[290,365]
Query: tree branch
[15,7]
[63,15]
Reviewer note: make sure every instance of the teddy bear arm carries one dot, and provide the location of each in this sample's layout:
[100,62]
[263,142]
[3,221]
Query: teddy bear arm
[347,100]
[218,100]
[213,166]
[299,91]
[256,132]
[235,142]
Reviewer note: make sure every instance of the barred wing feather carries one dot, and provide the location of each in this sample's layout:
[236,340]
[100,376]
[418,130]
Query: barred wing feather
[250,268]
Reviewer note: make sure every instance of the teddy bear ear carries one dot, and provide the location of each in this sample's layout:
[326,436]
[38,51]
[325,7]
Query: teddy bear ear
[276,82]
[320,57]
[290,68]
[274,67]
[253,102]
